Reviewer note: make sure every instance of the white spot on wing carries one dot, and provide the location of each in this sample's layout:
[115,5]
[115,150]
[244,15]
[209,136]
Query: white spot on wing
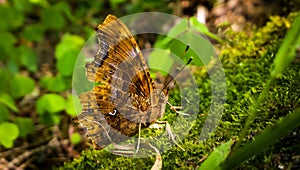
[115,112]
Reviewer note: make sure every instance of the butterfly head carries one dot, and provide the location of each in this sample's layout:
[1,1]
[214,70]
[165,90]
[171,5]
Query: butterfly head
[158,100]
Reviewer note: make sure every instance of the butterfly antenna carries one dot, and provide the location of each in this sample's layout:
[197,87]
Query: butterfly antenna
[186,49]
[170,78]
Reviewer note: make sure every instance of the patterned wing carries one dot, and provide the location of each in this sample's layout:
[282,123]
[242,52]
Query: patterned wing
[119,62]
[116,105]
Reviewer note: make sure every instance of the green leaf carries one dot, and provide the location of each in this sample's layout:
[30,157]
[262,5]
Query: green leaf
[79,77]
[4,77]
[4,114]
[88,31]
[200,26]
[8,101]
[7,44]
[72,106]
[21,85]
[156,61]
[203,29]
[114,3]
[12,66]
[8,133]
[287,50]
[33,32]
[25,125]
[22,5]
[40,2]
[65,64]
[7,143]
[184,34]
[68,43]
[52,18]
[48,107]
[67,52]
[202,54]
[179,28]
[28,57]
[50,103]
[75,138]
[49,119]
[13,17]
[54,84]
[217,156]
[65,8]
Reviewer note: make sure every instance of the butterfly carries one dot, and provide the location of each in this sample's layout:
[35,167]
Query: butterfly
[124,99]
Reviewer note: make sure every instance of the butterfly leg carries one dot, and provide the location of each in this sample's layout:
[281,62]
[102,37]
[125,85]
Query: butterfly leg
[123,150]
[177,109]
[139,138]
[128,149]
[158,161]
[169,132]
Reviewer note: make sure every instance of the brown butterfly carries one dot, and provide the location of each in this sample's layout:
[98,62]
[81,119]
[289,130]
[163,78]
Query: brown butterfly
[125,99]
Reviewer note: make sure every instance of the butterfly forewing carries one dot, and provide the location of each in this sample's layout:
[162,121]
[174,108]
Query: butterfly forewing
[119,58]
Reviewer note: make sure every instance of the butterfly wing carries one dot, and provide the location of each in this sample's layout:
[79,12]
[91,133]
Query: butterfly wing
[122,98]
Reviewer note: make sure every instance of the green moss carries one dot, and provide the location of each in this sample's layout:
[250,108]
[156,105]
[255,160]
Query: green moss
[246,58]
